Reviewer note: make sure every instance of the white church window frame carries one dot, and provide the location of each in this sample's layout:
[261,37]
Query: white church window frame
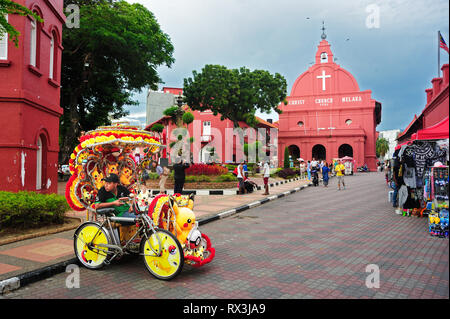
[4,44]
[33,42]
[39,164]
[52,56]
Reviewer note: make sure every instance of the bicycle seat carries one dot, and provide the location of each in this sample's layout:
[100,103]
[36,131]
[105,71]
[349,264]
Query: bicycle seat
[107,211]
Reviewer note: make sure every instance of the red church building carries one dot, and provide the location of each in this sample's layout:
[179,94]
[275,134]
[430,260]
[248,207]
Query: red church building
[30,99]
[328,116]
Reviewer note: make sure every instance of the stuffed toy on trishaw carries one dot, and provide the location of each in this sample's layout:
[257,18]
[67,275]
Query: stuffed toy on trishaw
[164,230]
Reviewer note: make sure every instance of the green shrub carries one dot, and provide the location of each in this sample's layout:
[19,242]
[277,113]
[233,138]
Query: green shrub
[287,173]
[153,176]
[29,209]
[197,178]
[225,178]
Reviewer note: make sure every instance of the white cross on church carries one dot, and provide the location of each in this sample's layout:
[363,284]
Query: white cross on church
[323,77]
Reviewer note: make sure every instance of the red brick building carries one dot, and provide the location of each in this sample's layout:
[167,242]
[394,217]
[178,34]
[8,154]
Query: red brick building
[30,100]
[210,131]
[436,110]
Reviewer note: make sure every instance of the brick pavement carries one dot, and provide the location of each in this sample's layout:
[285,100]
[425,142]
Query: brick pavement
[313,244]
[30,255]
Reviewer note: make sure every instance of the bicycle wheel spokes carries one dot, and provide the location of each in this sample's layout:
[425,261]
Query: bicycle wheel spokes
[170,258]
[86,245]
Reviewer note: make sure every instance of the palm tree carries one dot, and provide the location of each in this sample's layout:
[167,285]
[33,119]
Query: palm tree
[382,147]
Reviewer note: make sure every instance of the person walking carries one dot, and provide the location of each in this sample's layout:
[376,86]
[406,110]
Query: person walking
[397,178]
[163,179]
[335,163]
[308,169]
[179,175]
[245,168]
[314,163]
[266,175]
[303,170]
[240,176]
[325,171]
[340,172]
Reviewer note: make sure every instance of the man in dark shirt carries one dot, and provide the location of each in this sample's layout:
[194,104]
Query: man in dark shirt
[179,175]
[110,195]
[397,177]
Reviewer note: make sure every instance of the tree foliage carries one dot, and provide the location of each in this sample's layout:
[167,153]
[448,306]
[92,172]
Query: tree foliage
[8,7]
[286,163]
[382,147]
[235,94]
[158,128]
[188,118]
[115,52]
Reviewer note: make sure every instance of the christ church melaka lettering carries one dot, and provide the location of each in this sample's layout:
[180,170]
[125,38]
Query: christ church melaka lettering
[352,99]
[323,102]
[296,102]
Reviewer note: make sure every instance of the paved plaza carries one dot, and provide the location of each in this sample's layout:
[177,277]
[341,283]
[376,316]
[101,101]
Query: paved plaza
[313,244]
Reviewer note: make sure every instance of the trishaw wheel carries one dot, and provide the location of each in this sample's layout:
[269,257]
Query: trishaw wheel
[91,257]
[165,261]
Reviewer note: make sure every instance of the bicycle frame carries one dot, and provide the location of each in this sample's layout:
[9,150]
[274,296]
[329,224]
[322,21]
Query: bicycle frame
[146,228]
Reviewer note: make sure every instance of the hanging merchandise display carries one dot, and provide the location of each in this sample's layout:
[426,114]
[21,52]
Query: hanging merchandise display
[422,178]
[438,189]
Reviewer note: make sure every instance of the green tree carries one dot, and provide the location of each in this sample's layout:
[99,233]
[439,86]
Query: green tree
[287,164]
[187,118]
[235,94]
[115,52]
[382,147]
[8,7]
[158,128]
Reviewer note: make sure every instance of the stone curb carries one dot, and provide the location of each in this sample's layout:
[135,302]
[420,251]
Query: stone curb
[24,279]
[19,281]
[40,234]
[223,191]
[242,208]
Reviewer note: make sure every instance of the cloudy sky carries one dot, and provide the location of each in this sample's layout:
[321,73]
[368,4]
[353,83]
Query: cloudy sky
[396,59]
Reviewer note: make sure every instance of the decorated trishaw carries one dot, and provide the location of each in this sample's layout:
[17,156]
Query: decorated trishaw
[164,230]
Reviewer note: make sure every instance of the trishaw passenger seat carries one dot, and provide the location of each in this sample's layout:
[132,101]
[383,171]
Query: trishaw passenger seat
[107,211]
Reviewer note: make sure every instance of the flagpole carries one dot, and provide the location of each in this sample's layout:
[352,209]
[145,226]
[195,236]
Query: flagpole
[439,54]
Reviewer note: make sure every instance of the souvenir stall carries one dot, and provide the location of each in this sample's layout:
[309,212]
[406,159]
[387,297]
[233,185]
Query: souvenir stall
[424,169]
[349,164]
